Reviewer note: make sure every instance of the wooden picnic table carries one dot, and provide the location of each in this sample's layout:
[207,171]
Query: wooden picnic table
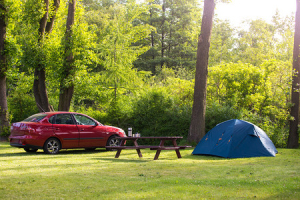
[158,148]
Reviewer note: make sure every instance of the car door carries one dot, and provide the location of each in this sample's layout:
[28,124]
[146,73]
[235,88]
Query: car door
[92,134]
[64,126]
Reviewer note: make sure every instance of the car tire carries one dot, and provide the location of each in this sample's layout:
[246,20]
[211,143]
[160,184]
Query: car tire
[30,150]
[52,146]
[112,142]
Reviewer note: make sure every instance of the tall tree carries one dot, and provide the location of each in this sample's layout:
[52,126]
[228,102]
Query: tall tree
[39,84]
[174,45]
[197,127]
[67,82]
[222,43]
[4,123]
[293,140]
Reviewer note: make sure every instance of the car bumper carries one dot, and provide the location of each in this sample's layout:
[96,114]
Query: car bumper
[23,143]
[25,146]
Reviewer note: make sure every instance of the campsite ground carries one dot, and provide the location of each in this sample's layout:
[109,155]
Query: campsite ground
[78,174]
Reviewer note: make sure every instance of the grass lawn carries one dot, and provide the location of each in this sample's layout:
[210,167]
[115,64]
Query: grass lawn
[78,174]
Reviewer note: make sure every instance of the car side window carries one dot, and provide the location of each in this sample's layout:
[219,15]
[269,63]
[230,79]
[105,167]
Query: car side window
[51,119]
[83,120]
[63,119]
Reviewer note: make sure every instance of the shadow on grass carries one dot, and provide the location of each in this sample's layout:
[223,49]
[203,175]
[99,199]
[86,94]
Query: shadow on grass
[205,157]
[111,158]
[61,152]
[120,160]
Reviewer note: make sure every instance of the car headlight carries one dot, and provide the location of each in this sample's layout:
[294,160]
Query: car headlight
[122,132]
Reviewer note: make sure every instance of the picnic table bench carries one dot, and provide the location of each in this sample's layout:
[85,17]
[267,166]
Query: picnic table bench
[158,148]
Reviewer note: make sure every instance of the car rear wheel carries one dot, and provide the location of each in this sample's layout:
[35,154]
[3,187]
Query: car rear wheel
[30,150]
[52,146]
[112,142]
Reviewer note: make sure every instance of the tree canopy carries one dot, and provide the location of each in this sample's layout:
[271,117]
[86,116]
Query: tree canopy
[129,63]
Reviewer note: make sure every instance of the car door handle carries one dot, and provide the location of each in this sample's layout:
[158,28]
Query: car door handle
[51,128]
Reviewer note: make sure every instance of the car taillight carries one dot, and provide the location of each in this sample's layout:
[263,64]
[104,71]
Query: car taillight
[29,131]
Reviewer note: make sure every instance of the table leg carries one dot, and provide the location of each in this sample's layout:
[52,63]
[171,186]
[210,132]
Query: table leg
[139,153]
[176,150]
[119,150]
[178,153]
[137,150]
[157,154]
[118,153]
[161,144]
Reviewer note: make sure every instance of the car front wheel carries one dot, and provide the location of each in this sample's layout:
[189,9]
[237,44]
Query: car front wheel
[112,142]
[52,146]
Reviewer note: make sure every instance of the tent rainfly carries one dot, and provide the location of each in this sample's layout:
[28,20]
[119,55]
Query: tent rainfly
[236,139]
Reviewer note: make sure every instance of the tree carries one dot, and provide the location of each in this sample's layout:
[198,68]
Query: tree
[4,122]
[257,43]
[197,127]
[222,43]
[39,84]
[293,140]
[67,82]
[118,53]
[173,44]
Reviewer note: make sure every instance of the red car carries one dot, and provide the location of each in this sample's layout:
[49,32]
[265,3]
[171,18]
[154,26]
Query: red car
[52,131]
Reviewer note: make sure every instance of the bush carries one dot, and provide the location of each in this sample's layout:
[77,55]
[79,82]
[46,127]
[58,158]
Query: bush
[4,133]
[278,132]
[20,100]
[216,114]
[156,114]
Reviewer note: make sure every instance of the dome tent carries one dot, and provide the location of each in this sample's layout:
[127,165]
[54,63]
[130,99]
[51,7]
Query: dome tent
[236,139]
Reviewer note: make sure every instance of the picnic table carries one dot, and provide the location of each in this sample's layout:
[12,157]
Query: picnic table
[158,148]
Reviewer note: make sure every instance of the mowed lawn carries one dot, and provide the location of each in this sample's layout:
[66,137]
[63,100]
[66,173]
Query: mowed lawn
[79,174]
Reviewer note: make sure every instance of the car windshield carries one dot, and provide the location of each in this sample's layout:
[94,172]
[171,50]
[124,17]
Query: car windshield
[35,118]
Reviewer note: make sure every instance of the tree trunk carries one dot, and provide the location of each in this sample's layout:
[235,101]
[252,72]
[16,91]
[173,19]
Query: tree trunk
[152,45]
[4,122]
[197,127]
[67,84]
[50,23]
[163,33]
[293,140]
[39,84]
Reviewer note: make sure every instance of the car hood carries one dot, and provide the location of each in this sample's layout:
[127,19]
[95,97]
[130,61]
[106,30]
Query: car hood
[114,129]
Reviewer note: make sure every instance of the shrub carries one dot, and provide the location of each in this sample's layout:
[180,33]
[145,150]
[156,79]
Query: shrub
[156,114]
[216,113]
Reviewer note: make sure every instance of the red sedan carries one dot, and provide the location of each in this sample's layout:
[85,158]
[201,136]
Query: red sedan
[52,131]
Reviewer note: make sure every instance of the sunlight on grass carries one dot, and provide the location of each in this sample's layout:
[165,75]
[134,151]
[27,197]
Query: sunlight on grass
[79,174]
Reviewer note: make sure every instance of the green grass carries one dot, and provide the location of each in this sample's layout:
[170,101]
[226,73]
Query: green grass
[78,174]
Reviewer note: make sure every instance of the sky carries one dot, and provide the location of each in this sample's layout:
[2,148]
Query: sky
[241,10]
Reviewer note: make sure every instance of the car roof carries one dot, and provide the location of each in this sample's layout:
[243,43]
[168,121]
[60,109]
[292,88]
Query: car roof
[61,112]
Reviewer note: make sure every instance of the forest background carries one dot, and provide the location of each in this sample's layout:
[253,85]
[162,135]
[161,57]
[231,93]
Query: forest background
[134,65]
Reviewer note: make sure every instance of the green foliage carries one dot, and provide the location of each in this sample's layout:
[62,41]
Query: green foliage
[156,113]
[113,42]
[5,131]
[174,42]
[260,93]
[216,113]
[235,84]
[222,43]
[21,102]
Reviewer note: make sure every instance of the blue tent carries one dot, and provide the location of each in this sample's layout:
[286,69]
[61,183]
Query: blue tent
[236,139]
